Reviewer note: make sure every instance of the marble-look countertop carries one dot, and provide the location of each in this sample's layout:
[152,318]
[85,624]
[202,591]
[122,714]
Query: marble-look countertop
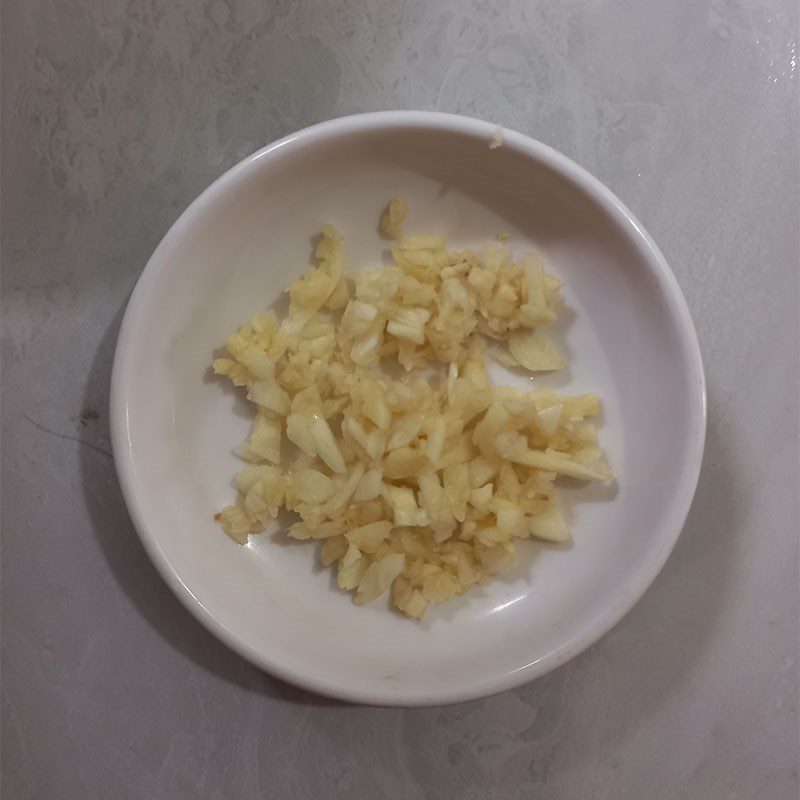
[116,114]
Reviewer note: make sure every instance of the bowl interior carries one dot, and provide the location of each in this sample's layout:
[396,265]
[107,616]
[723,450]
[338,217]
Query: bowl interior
[622,328]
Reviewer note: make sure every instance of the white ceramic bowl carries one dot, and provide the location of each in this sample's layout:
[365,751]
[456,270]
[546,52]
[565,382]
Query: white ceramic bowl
[626,330]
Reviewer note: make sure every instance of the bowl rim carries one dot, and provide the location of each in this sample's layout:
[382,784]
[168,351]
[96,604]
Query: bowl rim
[652,259]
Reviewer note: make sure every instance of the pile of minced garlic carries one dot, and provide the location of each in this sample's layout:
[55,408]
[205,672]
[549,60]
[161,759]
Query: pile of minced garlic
[423,483]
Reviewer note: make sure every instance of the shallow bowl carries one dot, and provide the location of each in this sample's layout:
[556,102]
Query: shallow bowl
[626,332]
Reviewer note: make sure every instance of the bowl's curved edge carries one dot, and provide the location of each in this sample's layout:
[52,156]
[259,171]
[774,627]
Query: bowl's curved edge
[122,447]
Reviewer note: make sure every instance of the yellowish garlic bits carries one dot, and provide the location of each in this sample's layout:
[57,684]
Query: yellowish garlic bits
[419,480]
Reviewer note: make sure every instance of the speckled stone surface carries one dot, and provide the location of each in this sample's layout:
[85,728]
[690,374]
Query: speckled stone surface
[116,114]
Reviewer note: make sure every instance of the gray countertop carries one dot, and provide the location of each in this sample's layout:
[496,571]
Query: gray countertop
[116,114]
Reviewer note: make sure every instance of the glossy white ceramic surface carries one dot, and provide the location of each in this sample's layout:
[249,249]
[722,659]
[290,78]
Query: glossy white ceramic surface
[626,331]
